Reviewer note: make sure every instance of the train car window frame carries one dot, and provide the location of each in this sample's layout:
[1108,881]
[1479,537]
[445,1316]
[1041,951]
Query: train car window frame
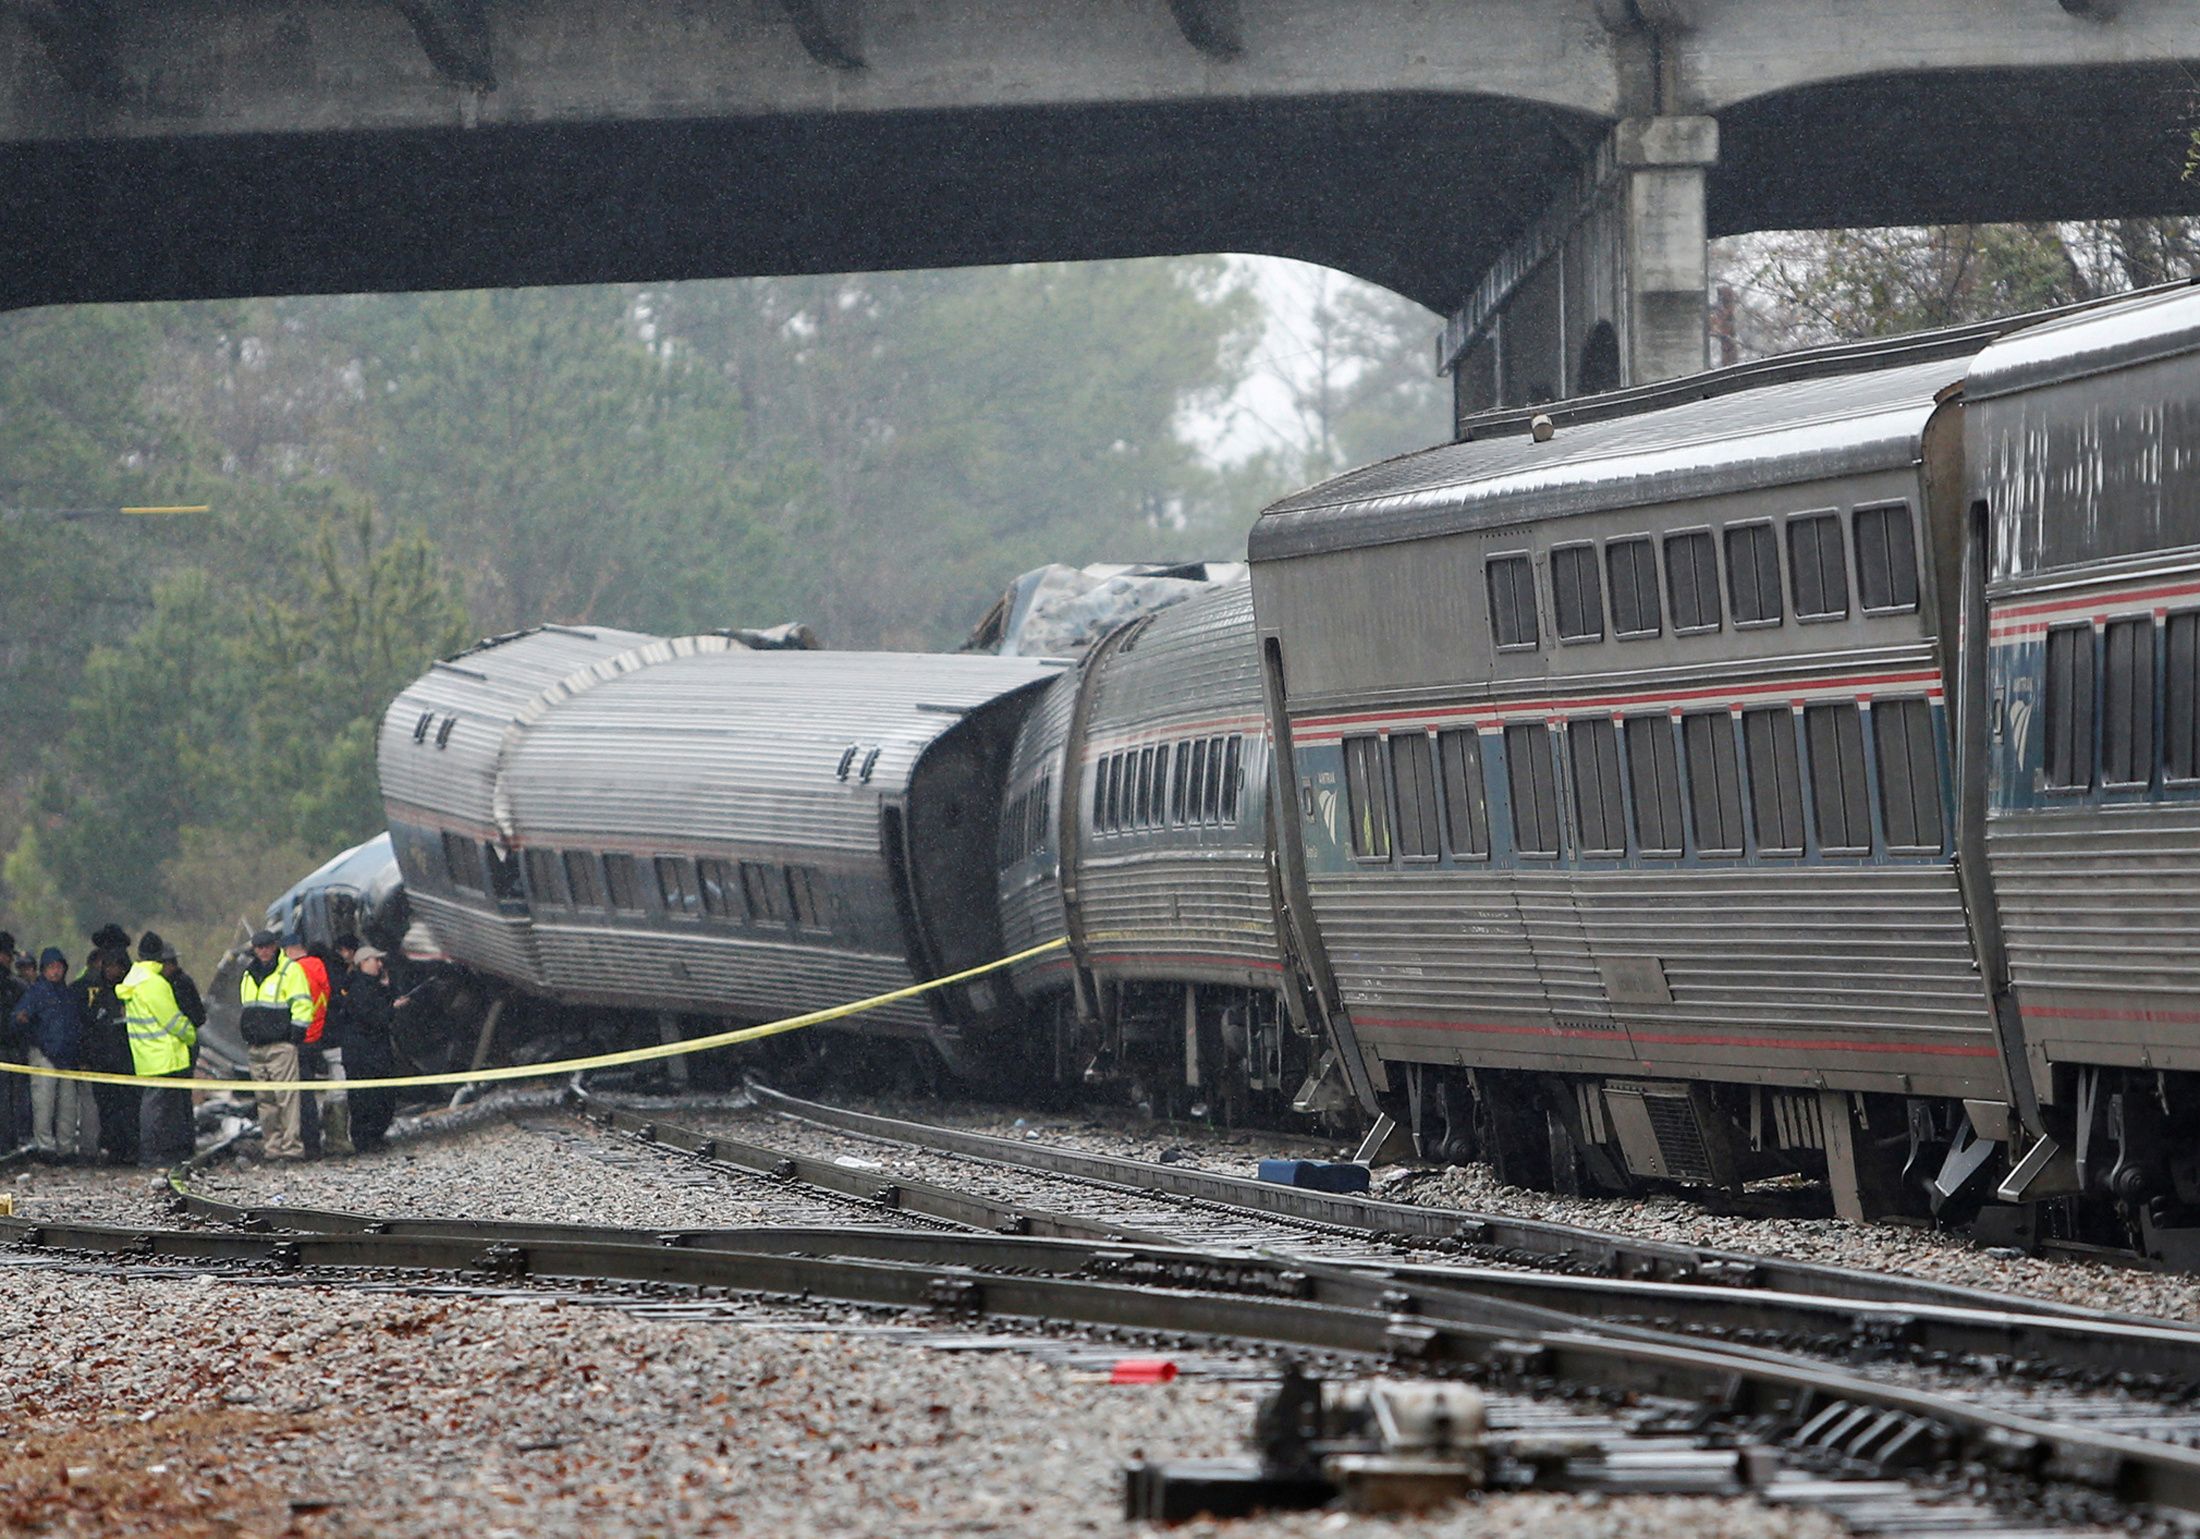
[1652,745]
[2069,708]
[1711,754]
[584,880]
[1577,594]
[763,891]
[1639,554]
[1158,810]
[1196,782]
[1114,824]
[2128,748]
[1708,597]
[622,884]
[1906,751]
[2181,697]
[1600,787]
[1872,532]
[718,887]
[1779,777]
[1179,771]
[1035,814]
[1531,782]
[1142,795]
[1829,570]
[1764,542]
[1833,734]
[1233,779]
[1366,792]
[1413,793]
[677,887]
[462,859]
[804,905]
[1508,579]
[1210,800]
[1466,793]
[545,884]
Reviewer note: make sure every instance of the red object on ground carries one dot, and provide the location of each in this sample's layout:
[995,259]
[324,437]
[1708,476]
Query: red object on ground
[1142,1370]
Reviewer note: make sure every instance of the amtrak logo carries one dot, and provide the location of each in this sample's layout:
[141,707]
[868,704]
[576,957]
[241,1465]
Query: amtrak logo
[1326,802]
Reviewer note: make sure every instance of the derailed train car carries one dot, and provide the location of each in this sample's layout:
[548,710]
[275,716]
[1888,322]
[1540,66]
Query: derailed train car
[693,829]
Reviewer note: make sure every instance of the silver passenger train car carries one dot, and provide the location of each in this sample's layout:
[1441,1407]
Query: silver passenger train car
[1639,768]
[694,829]
[1139,828]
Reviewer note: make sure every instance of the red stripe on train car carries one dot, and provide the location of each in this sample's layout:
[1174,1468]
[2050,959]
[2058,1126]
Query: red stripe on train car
[1689,1039]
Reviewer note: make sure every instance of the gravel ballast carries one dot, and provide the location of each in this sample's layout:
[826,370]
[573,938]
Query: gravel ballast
[208,1406]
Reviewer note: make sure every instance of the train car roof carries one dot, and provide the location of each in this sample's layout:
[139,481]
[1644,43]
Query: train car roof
[1790,430]
[746,745]
[2161,323]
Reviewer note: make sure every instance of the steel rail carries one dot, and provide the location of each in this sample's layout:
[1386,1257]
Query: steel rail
[2141,1354]
[1507,1345]
[1588,1251]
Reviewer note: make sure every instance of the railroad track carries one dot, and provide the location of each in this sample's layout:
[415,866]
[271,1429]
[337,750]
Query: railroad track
[1270,1277]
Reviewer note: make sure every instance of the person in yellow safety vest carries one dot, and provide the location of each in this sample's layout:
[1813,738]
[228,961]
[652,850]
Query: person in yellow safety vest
[161,1039]
[278,1010]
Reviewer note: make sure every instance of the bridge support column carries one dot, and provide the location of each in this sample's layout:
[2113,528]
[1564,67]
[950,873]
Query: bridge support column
[1606,288]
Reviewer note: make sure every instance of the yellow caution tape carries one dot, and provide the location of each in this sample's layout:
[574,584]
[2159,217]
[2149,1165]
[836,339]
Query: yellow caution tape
[561,1066]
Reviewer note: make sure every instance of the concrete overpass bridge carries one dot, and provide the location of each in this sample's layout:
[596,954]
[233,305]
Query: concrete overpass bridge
[1545,172]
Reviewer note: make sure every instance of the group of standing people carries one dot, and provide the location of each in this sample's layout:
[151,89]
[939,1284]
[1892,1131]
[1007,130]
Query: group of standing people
[119,1015]
[306,1018]
[303,1018]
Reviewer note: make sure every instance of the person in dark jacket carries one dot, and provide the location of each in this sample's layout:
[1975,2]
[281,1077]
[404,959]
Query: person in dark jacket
[361,1012]
[107,1051]
[53,1022]
[15,1094]
[188,998]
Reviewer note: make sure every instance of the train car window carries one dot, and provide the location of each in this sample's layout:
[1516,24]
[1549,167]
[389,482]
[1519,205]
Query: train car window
[1512,602]
[1413,772]
[676,887]
[1909,774]
[721,899]
[1633,568]
[2067,755]
[1753,574]
[1177,773]
[543,887]
[1837,783]
[1161,757]
[1714,781]
[1654,770]
[1233,777]
[1775,779]
[2127,702]
[1818,566]
[463,858]
[1594,746]
[1532,773]
[503,866]
[622,883]
[764,890]
[1142,790]
[1035,813]
[1577,602]
[1364,798]
[1692,581]
[1886,559]
[2181,697]
[1466,797]
[1115,792]
[1210,803]
[581,879]
[1004,843]
[1198,779]
[802,898]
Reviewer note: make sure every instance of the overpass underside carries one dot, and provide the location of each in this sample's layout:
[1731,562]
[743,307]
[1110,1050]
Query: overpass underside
[1543,172]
